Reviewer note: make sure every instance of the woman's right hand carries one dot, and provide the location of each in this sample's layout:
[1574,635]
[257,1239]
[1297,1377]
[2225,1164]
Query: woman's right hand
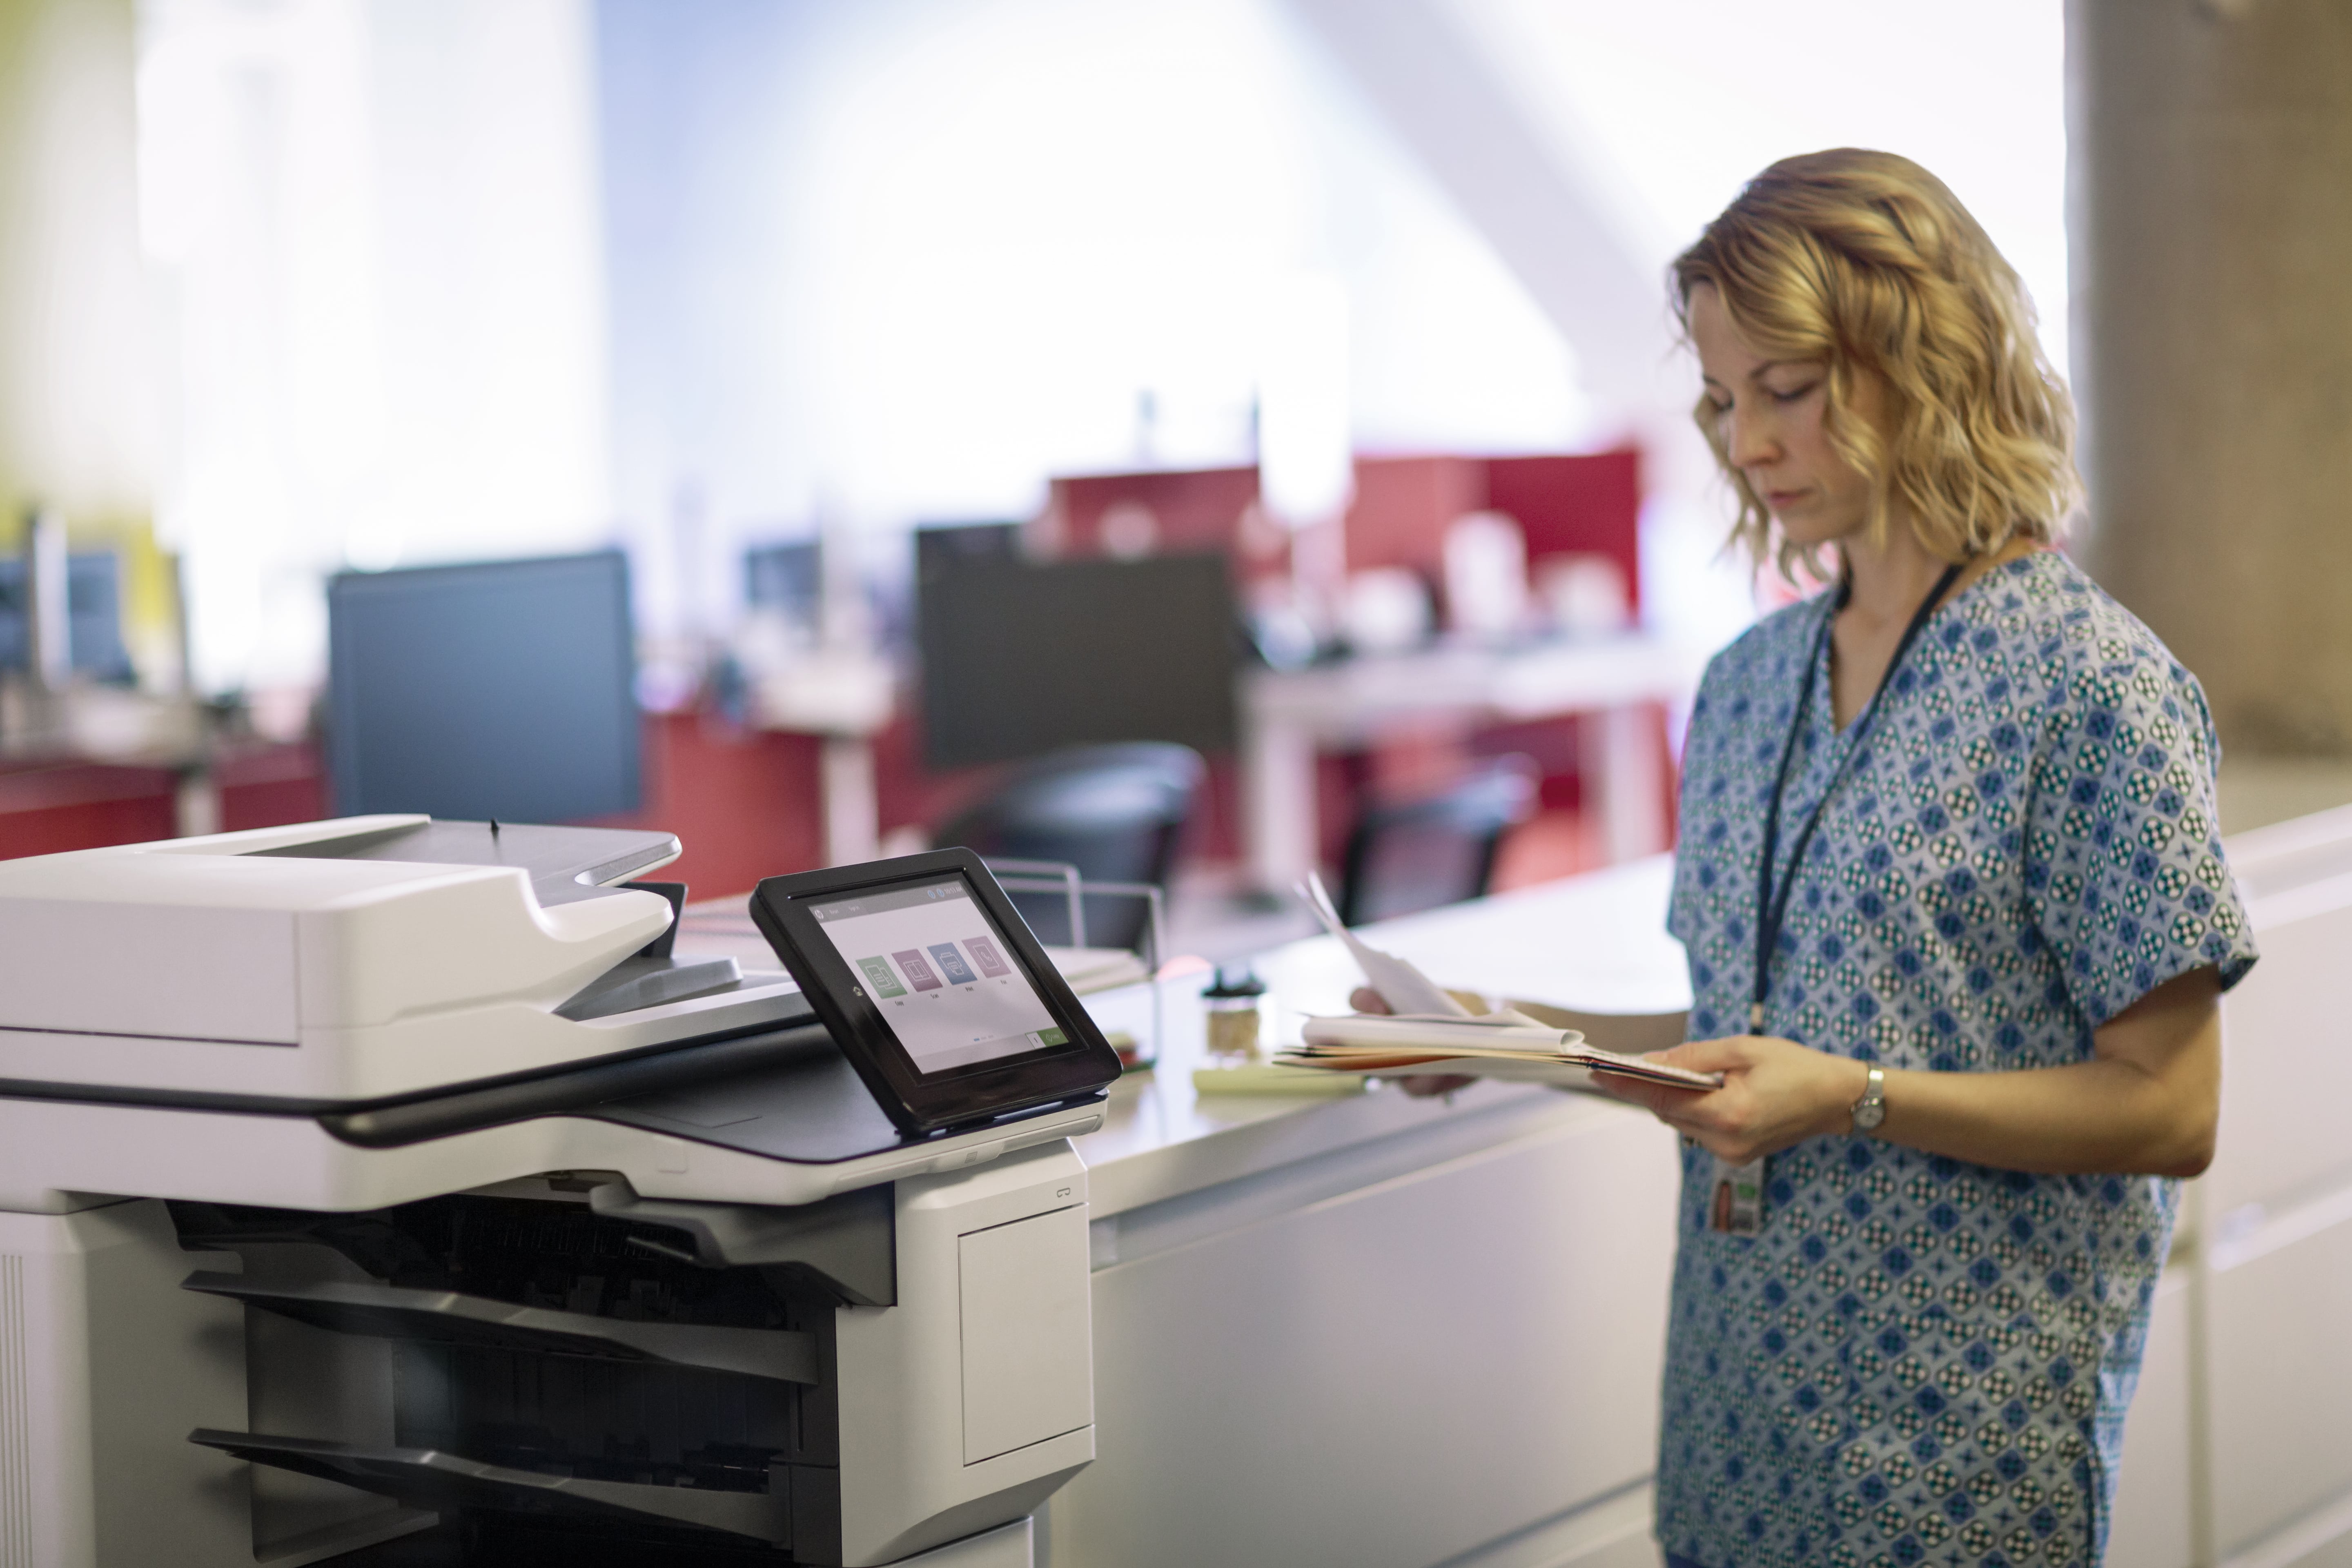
[1421,1085]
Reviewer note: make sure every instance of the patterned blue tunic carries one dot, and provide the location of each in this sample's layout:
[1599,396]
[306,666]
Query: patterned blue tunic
[1917,1360]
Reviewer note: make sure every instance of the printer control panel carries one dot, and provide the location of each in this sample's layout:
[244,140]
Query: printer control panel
[934,966]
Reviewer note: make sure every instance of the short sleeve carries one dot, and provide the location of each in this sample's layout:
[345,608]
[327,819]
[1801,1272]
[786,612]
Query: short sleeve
[2124,874]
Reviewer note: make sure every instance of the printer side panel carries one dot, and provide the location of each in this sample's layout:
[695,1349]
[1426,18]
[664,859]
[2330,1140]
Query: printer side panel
[105,1365]
[970,1401]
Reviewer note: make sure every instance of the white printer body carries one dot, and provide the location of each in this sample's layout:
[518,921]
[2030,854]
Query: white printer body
[381,1191]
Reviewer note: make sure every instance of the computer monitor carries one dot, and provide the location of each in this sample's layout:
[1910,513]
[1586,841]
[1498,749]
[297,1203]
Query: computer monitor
[942,547]
[93,615]
[786,579]
[1019,659]
[495,690]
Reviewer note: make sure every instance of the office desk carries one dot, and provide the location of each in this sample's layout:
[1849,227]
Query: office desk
[1287,715]
[843,697]
[1378,1331]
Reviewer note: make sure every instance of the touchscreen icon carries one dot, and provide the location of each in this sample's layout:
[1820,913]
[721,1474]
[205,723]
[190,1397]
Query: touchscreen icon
[951,964]
[983,953]
[918,969]
[879,977]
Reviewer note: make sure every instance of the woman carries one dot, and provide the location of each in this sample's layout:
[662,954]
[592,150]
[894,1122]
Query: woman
[1957,918]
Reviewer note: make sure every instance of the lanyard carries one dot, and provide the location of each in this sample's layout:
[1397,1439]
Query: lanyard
[1772,903]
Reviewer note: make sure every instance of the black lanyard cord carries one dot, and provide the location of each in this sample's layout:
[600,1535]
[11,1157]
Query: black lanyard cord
[1772,903]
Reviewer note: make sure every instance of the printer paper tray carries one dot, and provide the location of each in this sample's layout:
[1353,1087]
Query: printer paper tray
[445,1317]
[425,1477]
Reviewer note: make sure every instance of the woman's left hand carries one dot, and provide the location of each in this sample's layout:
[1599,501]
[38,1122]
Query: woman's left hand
[1420,1085]
[1776,1093]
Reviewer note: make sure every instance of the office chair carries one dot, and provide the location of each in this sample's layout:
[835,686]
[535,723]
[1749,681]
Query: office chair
[1407,856]
[1114,812]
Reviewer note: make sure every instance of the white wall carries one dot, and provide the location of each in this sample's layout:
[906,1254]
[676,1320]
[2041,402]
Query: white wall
[456,277]
[1665,109]
[907,258]
[376,224]
[1679,102]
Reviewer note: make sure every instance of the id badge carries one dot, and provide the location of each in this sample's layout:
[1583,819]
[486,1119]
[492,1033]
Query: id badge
[1738,1206]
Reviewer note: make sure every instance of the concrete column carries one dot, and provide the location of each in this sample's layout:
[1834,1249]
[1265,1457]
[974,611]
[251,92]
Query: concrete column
[2212,241]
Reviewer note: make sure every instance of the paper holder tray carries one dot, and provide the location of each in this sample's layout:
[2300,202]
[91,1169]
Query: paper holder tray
[444,1317]
[428,1478]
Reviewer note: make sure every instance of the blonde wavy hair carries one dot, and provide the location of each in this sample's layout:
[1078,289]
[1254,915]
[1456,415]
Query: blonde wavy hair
[1865,264]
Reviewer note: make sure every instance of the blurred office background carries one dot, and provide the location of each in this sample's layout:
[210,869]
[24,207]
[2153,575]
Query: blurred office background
[769,327]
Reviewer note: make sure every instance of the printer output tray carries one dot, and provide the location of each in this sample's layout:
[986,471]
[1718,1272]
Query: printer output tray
[425,1477]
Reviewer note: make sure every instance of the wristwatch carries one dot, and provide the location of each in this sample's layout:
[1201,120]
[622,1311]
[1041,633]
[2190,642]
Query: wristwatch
[1871,1109]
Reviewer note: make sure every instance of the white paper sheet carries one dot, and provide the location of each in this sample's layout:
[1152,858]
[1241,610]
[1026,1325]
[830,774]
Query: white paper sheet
[1406,990]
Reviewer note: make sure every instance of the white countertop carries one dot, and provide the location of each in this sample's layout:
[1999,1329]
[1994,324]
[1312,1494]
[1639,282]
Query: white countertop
[1596,944]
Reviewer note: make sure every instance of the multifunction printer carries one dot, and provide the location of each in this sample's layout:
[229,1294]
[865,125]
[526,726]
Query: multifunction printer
[387,1192]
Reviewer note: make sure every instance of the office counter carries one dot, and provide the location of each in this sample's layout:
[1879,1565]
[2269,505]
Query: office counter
[1596,943]
[1376,1330]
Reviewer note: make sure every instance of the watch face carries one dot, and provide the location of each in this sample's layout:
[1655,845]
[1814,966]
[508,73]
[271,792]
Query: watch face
[1871,1109]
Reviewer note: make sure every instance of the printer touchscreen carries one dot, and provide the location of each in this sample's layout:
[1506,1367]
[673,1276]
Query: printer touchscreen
[934,966]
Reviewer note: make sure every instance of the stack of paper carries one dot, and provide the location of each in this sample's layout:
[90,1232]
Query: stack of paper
[1427,1031]
[1498,1045]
